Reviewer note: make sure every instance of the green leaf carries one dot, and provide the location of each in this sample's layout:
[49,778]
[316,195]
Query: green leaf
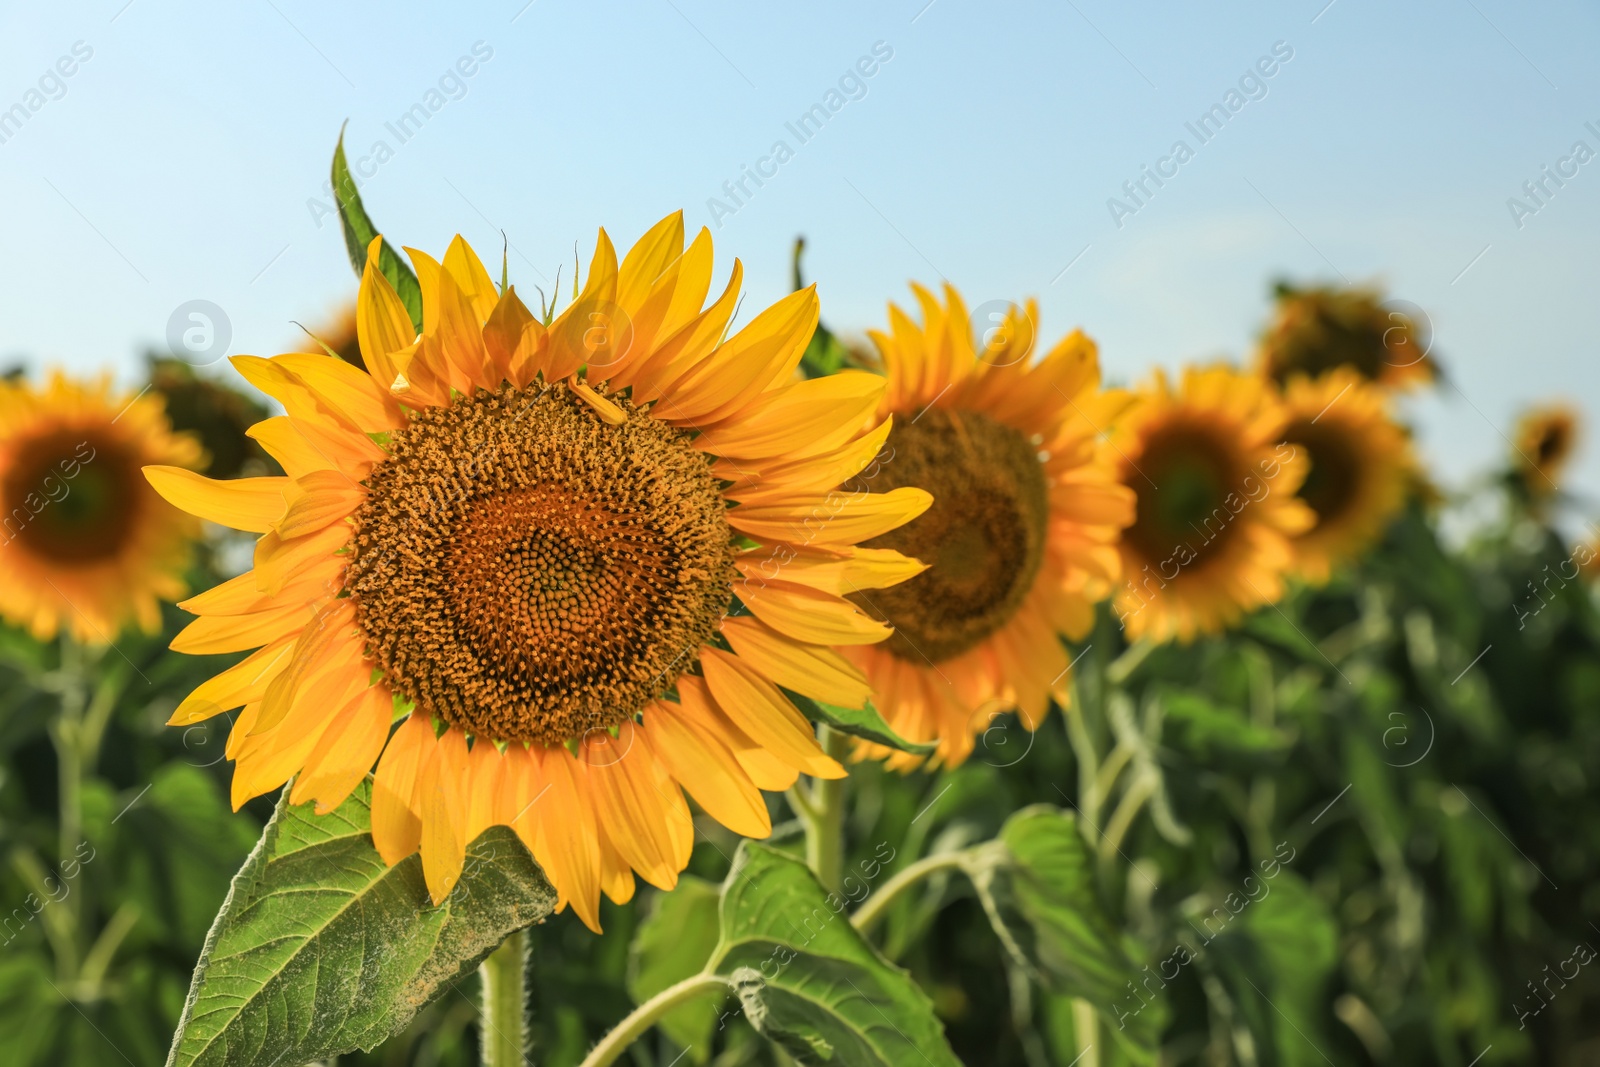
[808,981]
[673,943]
[863,722]
[320,949]
[824,354]
[1204,728]
[1275,960]
[359,232]
[1036,882]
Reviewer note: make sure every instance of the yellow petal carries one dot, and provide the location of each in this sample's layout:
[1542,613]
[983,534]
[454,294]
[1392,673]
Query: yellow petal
[800,420]
[765,351]
[396,826]
[707,769]
[383,327]
[810,670]
[251,504]
[837,518]
[764,714]
[810,615]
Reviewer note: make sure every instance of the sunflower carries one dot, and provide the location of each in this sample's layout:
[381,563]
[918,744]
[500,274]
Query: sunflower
[517,538]
[87,545]
[1315,330]
[1020,538]
[1547,438]
[1360,465]
[1217,502]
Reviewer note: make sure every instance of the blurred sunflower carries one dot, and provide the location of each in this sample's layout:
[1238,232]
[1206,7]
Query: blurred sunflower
[87,545]
[1315,330]
[1547,439]
[219,416]
[1217,507]
[520,535]
[1020,540]
[1360,460]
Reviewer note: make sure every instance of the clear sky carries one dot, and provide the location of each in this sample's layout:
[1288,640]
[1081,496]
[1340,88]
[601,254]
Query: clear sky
[185,155]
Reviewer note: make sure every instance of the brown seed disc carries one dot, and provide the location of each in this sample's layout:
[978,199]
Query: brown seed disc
[983,538]
[74,496]
[1184,478]
[529,573]
[1333,482]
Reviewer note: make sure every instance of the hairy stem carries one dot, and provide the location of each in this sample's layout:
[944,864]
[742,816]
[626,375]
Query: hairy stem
[874,907]
[504,1025]
[646,1015]
[825,823]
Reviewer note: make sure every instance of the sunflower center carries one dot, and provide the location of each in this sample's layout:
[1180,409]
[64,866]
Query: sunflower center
[1189,493]
[1333,480]
[72,495]
[983,538]
[528,572]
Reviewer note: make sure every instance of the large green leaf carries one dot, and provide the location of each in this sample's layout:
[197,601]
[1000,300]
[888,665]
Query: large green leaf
[859,722]
[359,232]
[808,981]
[672,944]
[1037,884]
[321,949]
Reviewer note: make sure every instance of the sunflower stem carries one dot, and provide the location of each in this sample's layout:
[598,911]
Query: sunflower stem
[646,1015]
[503,1034]
[1086,1028]
[873,908]
[825,823]
[74,758]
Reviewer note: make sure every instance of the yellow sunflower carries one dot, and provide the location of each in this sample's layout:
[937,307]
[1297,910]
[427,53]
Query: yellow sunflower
[87,546]
[1315,330]
[1020,540]
[1217,505]
[1547,439]
[1360,465]
[519,539]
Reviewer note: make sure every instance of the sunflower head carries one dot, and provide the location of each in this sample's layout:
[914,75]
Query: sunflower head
[586,563]
[1018,541]
[1316,330]
[1218,504]
[1547,438]
[1360,465]
[87,545]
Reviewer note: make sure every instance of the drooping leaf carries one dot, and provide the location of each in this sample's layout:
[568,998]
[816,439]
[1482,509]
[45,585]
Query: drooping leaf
[359,232]
[808,981]
[320,949]
[1037,885]
[861,722]
[673,943]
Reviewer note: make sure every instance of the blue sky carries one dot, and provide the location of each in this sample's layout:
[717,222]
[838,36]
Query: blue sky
[184,158]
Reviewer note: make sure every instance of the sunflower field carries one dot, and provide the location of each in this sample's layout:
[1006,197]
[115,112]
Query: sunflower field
[618,676]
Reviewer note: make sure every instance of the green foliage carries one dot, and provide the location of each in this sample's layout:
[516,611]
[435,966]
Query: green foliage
[320,948]
[672,944]
[863,722]
[359,232]
[806,979]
